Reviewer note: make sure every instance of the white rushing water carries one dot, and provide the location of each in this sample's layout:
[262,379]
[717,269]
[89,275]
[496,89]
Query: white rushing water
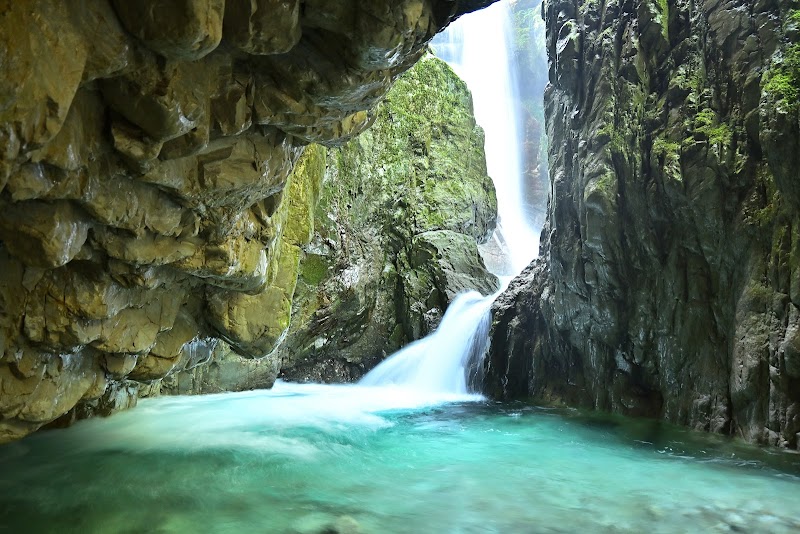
[446,360]
[477,46]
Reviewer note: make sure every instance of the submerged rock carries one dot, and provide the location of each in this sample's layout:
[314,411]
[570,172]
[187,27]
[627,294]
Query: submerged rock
[145,152]
[402,210]
[669,272]
[323,523]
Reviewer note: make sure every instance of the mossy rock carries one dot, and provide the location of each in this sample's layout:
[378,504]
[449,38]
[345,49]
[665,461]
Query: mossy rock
[415,182]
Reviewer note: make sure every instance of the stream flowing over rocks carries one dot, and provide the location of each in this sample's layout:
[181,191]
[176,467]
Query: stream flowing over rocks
[669,279]
[149,219]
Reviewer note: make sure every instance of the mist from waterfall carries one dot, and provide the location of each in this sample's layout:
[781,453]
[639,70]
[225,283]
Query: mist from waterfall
[478,47]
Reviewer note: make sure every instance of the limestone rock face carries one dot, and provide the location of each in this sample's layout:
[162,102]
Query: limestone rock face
[669,272]
[145,152]
[402,210]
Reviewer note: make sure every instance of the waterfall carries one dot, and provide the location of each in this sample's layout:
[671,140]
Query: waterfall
[477,46]
[447,361]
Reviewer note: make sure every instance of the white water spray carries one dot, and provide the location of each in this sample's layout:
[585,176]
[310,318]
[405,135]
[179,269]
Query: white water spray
[477,46]
[448,360]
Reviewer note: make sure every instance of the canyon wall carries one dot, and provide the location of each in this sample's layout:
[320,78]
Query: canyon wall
[146,151]
[402,209]
[669,279]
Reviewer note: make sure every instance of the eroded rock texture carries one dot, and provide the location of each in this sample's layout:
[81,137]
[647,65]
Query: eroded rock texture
[669,284]
[146,148]
[402,209]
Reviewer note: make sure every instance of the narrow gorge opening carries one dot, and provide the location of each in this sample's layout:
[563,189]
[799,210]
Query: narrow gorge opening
[292,231]
[500,54]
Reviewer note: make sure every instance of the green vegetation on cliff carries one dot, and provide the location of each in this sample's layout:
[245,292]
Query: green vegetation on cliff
[781,82]
[401,211]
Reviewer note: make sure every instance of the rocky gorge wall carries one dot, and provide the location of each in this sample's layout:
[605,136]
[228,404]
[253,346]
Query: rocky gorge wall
[403,207]
[669,278]
[147,148]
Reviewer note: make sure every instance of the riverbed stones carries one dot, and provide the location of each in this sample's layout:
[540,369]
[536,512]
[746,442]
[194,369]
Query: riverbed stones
[146,150]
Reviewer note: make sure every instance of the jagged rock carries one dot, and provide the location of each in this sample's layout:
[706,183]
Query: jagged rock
[669,259]
[222,370]
[264,26]
[395,234]
[176,29]
[43,234]
[454,262]
[146,150]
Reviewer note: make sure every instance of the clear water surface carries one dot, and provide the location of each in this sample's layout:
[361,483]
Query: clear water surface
[311,458]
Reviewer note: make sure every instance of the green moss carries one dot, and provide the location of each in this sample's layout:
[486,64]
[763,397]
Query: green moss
[665,148]
[285,277]
[618,145]
[718,133]
[758,296]
[668,154]
[794,17]
[781,83]
[689,77]
[782,80]
[314,269]
[611,134]
[303,194]
[765,217]
[663,7]
[606,184]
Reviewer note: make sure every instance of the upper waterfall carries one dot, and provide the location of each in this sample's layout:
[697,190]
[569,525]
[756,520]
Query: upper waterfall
[478,48]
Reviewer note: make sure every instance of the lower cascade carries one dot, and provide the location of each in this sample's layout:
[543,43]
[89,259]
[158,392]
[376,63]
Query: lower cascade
[446,360]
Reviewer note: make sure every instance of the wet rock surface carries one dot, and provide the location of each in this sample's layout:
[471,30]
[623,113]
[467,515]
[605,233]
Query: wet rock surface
[402,210]
[667,285]
[146,152]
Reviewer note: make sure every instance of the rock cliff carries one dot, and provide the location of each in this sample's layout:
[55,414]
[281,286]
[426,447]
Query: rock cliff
[669,279]
[146,150]
[402,209]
